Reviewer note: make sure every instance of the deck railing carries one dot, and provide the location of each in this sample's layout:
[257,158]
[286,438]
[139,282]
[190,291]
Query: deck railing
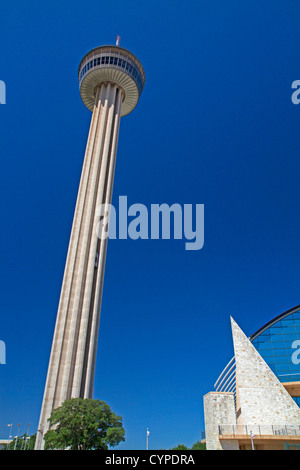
[259,430]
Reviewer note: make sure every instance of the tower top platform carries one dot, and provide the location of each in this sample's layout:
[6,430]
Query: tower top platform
[112,64]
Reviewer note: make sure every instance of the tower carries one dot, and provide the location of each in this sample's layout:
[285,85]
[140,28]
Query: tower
[111,80]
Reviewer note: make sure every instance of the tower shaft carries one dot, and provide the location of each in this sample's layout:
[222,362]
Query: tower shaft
[73,355]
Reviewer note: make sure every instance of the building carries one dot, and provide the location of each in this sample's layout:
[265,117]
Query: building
[111,80]
[4,443]
[256,399]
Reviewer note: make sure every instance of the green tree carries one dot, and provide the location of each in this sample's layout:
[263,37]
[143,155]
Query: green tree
[180,447]
[198,446]
[23,442]
[83,424]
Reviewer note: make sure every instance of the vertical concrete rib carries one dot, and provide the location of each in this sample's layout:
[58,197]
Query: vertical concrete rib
[102,246]
[64,382]
[57,344]
[88,301]
[80,221]
[67,279]
[66,373]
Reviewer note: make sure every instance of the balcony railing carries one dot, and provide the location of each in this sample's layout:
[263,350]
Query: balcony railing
[259,430]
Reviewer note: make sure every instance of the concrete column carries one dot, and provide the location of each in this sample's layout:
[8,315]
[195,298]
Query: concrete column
[95,274]
[72,359]
[102,246]
[80,281]
[55,355]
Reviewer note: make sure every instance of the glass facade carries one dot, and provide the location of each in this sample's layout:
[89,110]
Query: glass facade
[278,343]
[297,400]
[279,346]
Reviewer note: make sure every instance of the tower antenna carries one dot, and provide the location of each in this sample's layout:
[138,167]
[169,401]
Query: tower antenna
[118,41]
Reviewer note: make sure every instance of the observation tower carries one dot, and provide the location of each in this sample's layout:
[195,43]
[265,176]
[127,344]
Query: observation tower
[111,80]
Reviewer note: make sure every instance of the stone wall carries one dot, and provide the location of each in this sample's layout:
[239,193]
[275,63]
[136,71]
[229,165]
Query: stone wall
[263,400]
[218,410]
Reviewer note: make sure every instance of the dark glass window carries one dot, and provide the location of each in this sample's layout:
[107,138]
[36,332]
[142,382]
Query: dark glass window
[275,345]
[297,400]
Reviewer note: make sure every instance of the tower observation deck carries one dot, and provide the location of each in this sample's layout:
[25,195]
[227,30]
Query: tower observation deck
[111,80]
[117,66]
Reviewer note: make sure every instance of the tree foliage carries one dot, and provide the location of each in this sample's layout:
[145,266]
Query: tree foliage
[180,447]
[83,424]
[23,442]
[197,446]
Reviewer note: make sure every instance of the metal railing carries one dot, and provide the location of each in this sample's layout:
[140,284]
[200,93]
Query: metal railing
[259,430]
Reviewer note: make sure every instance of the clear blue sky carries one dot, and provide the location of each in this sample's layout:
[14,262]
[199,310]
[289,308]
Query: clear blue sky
[215,125]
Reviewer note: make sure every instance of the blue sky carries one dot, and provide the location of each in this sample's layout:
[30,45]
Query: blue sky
[215,125]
